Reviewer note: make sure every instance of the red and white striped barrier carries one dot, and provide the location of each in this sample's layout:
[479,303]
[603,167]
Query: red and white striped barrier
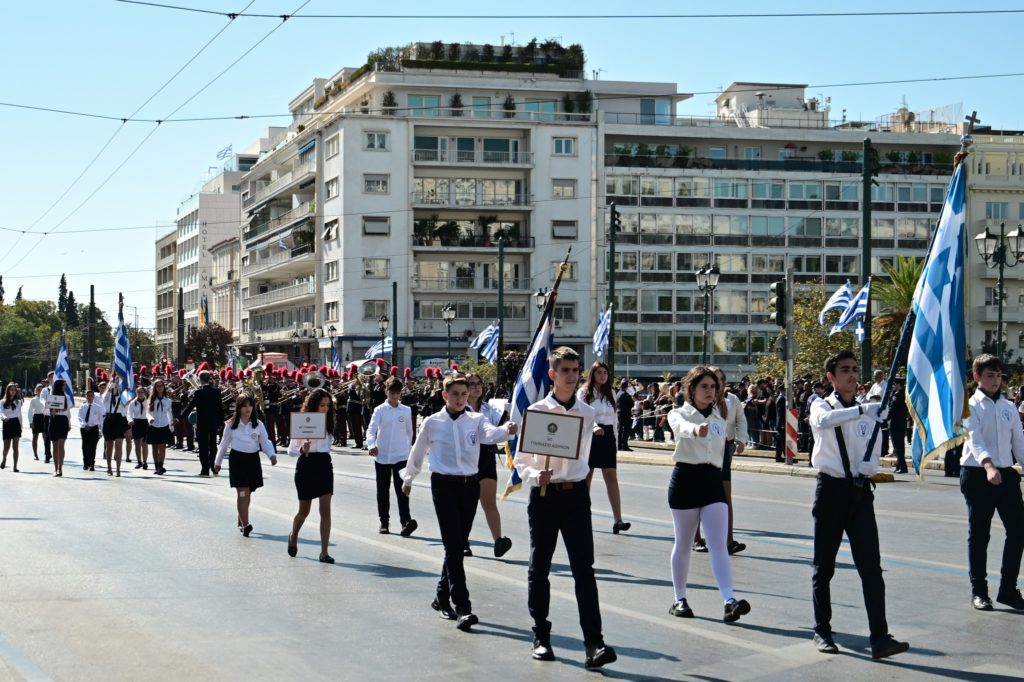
[791,435]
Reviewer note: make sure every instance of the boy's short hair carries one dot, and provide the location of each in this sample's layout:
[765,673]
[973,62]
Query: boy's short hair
[564,353]
[453,379]
[393,385]
[987,361]
[833,360]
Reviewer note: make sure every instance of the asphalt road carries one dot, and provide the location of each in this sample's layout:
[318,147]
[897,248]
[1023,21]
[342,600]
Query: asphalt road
[145,577]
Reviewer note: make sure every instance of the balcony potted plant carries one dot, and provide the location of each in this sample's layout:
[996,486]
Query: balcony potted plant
[849,156]
[456,104]
[389,103]
[447,233]
[509,105]
[423,229]
[662,156]
[683,155]
[826,155]
[644,155]
[585,102]
[568,106]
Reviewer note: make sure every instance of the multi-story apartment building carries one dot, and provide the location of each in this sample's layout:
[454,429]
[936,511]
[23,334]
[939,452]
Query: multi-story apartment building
[224,285]
[995,186]
[166,296]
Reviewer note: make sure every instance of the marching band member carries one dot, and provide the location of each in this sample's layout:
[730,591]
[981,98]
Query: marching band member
[314,475]
[59,426]
[140,425]
[90,418]
[244,436]
[11,411]
[597,392]
[115,423]
[209,416]
[37,420]
[158,432]
[488,471]
[389,437]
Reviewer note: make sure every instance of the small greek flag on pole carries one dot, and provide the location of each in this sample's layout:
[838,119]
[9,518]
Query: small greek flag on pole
[123,360]
[490,351]
[379,348]
[63,370]
[839,301]
[484,337]
[225,153]
[604,326]
[858,307]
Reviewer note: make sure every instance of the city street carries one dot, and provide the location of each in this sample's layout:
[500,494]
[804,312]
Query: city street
[144,577]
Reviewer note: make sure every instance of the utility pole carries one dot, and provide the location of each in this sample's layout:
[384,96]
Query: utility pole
[501,313]
[865,258]
[614,224]
[791,420]
[394,323]
[181,327]
[92,330]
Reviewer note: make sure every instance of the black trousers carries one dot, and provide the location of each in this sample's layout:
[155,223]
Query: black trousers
[839,509]
[90,437]
[566,512]
[355,425]
[388,476]
[46,439]
[899,445]
[983,501]
[625,424]
[207,436]
[455,502]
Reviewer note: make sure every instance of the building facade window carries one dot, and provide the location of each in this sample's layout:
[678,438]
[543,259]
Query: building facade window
[332,271]
[424,105]
[376,141]
[330,230]
[331,188]
[376,268]
[374,309]
[570,272]
[565,146]
[563,188]
[376,183]
[996,210]
[566,312]
[331,311]
[376,226]
[332,146]
[563,229]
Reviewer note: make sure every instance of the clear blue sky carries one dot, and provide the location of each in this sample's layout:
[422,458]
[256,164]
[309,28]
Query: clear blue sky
[107,57]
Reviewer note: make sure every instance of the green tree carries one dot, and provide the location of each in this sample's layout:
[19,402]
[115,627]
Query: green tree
[62,294]
[894,296]
[71,318]
[1,290]
[209,343]
[813,343]
[17,296]
[484,369]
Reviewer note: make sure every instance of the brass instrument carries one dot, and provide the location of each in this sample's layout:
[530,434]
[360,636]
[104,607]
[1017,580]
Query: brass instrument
[314,380]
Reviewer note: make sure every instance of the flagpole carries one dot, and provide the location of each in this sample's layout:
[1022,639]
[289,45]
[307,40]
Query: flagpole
[552,298]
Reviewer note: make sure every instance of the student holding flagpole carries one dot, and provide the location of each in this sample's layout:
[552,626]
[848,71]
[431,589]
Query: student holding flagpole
[115,424]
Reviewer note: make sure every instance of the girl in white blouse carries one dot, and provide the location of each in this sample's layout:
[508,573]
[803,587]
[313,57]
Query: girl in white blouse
[244,436]
[37,420]
[597,392]
[314,475]
[60,425]
[139,421]
[10,408]
[158,436]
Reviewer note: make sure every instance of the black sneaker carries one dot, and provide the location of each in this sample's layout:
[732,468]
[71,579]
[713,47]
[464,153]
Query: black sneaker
[736,547]
[599,655]
[409,528]
[981,603]
[542,650]
[681,609]
[888,646]
[734,608]
[467,621]
[443,608]
[700,546]
[383,530]
[824,644]
[467,551]
[1011,598]
[501,546]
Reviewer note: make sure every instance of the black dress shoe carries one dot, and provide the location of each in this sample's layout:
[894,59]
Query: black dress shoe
[501,546]
[599,655]
[734,608]
[542,650]
[326,559]
[467,552]
[293,549]
[383,530]
[681,609]
[443,608]
[981,603]
[409,528]
[824,644]
[1011,598]
[467,621]
[248,529]
[888,646]
[736,547]
[620,526]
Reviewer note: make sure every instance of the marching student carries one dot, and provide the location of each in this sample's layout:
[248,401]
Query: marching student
[244,436]
[696,491]
[158,433]
[389,437]
[37,420]
[59,426]
[10,409]
[597,392]
[990,484]
[844,503]
[314,475]
[488,472]
[565,509]
[90,417]
[451,440]
[115,423]
[139,420]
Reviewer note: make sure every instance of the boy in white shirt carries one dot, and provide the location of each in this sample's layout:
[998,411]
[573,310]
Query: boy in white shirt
[389,437]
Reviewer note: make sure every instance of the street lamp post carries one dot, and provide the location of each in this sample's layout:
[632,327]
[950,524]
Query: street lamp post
[295,347]
[382,325]
[707,280]
[332,331]
[448,315]
[1001,252]
[262,350]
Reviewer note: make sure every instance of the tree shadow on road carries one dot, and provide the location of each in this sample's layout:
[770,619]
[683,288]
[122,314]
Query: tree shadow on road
[755,533]
[386,571]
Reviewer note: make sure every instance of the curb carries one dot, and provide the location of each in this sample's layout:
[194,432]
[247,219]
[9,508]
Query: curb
[773,468]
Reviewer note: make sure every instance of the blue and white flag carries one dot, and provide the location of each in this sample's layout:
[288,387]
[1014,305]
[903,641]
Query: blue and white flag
[839,301]
[857,307]
[123,360]
[231,358]
[281,245]
[379,348]
[937,361]
[63,370]
[604,328]
[335,358]
[204,310]
[225,153]
[490,351]
[484,337]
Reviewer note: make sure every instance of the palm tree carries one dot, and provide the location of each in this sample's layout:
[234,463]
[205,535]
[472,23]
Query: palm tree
[895,297]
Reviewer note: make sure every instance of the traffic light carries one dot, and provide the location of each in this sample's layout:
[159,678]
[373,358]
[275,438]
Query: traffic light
[615,218]
[778,302]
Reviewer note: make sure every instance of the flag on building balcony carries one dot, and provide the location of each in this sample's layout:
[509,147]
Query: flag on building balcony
[937,360]
[857,307]
[490,351]
[379,348]
[204,310]
[225,153]
[839,301]
[604,328]
[123,360]
[483,337]
[335,358]
[281,245]
[231,358]
[63,370]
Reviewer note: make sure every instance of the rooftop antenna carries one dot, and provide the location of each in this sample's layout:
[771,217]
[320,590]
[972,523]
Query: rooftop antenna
[597,73]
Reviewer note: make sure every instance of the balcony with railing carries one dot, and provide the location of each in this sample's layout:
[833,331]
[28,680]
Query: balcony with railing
[282,261]
[281,294]
[467,157]
[804,165]
[469,241]
[471,200]
[261,190]
[303,210]
[512,285]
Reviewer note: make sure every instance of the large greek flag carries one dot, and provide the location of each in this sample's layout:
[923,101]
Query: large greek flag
[857,307]
[604,327]
[335,358]
[63,370]
[937,362]
[379,348]
[839,301]
[490,351]
[123,360]
[485,336]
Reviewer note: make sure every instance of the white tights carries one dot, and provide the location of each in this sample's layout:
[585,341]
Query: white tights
[715,519]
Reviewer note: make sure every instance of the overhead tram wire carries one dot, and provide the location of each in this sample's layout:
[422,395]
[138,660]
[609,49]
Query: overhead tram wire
[156,127]
[118,130]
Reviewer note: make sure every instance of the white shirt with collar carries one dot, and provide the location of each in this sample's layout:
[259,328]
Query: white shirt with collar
[12,413]
[993,432]
[247,438]
[604,411]
[563,470]
[452,446]
[91,414]
[735,420]
[856,424]
[390,431]
[36,406]
[160,415]
[877,390]
[137,409]
[489,411]
[690,448]
[112,403]
[315,445]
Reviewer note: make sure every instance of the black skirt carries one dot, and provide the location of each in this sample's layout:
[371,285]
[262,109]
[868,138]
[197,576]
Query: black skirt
[245,470]
[12,429]
[695,485]
[38,423]
[604,449]
[114,426]
[730,448]
[488,463]
[59,427]
[157,435]
[314,475]
[139,428]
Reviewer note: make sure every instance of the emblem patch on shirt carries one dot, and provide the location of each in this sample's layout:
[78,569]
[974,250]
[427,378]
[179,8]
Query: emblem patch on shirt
[401,420]
[862,429]
[471,438]
[1006,415]
[716,429]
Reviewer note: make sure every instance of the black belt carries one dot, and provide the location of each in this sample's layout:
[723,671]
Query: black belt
[456,477]
[559,486]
